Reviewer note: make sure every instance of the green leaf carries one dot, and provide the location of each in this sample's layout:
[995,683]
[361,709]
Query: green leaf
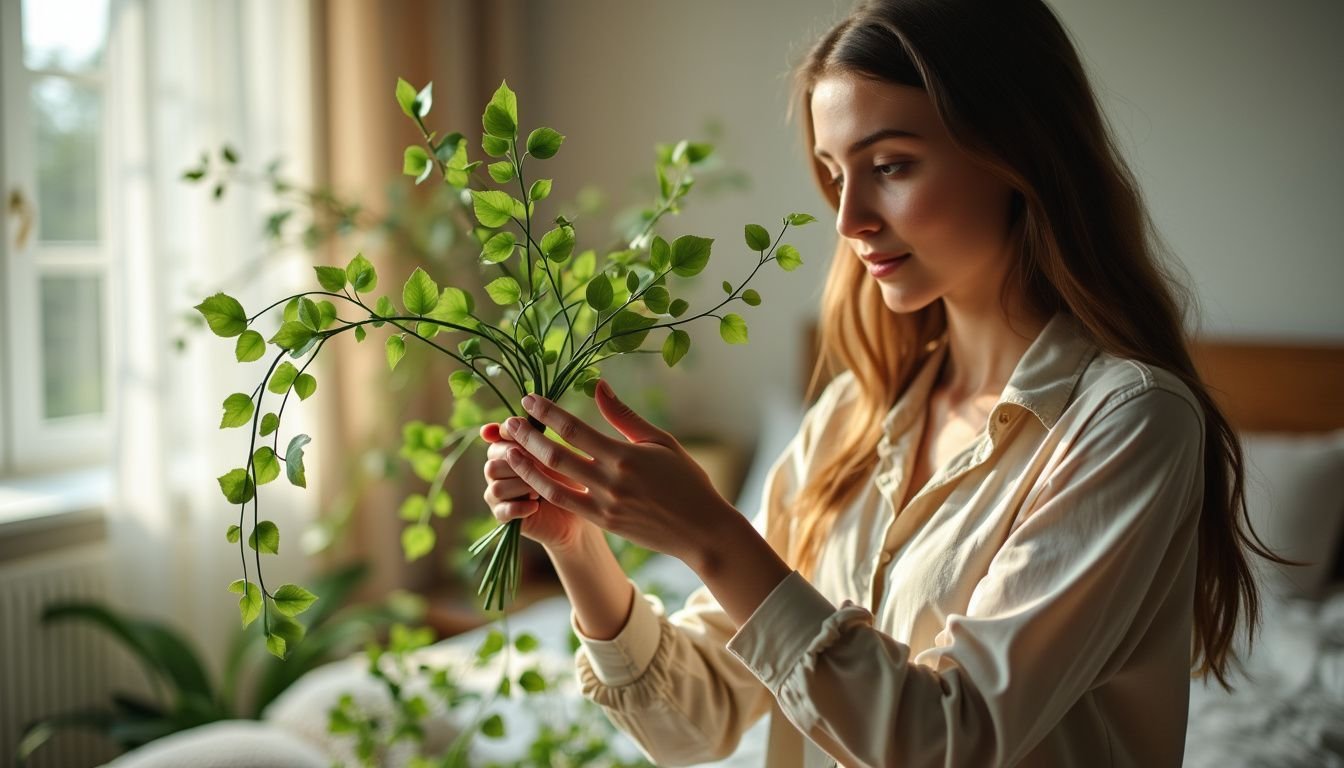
[799,219]
[464,383]
[443,504]
[384,307]
[758,239]
[540,190]
[501,115]
[265,538]
[305,385]
[751,297]
[733,329]
[360,333]
[490,646]
[526,642]
[583,265]
[631,282]
[361,274]
[727,287]
[678,308]
[282,378]
[543,143]
[251,346]
[599,292]
[455,306]
[469,348]
[292,335]
[406,97]
[504,290]
[417,541]
[498,248]
[660,255]
[292,600]
[494,146]
[424,100]
[788,257]
[224,315]
[309,314]
[420,294]
[331,278]
[493,208]
[276,645]
[625,330]
[269,423]
[501,172]
[558,244]
[415,162]
[690,254]
[532,682]
[458,173]
[327,312]
[396,349]
[294,460]
[237,410]
[493,727]
[232,534]
[266,466]
[249,605]
[292,310]
[237,486]
[657,299]
[675,347]
[413,508]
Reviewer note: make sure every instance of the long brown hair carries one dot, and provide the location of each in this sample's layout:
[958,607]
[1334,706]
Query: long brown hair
[1007,84]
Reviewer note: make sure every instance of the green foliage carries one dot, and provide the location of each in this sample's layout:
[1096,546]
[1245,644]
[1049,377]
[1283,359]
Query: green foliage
[552,317]
[184,696]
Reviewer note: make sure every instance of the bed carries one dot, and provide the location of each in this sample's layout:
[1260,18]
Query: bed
[1287,401]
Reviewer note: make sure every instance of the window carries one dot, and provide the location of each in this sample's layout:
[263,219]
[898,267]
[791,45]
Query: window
[60,238]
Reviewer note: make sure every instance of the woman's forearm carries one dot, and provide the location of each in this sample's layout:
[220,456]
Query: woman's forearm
[597,587]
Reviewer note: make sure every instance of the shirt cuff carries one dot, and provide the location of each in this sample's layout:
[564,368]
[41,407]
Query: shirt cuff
[624,658]
[777,634]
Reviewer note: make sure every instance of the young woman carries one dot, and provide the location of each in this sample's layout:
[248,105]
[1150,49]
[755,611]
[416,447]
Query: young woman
[1006,533]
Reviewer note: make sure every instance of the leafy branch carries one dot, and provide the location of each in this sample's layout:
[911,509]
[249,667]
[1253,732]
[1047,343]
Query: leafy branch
[536,339]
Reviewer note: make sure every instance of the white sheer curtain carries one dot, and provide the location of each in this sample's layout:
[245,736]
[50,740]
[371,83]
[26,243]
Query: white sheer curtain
[207,72]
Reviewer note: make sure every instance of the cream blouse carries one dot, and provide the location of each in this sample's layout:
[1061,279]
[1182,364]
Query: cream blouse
[1032,605]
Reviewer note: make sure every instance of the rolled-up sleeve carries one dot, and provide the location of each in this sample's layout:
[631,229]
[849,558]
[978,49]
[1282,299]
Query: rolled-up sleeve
[1074,586]
[670,681]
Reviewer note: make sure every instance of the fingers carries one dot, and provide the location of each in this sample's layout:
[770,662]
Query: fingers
[511,489]
[551,454]
[569,428]
[490,433]
[550,489]
[505,511]
[626,421]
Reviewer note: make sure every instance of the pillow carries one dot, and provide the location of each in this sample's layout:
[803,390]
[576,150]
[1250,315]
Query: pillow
[1295,499]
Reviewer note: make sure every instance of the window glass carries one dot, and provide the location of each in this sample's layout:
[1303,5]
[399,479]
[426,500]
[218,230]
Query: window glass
[67,120]
[67,35]
[72,348]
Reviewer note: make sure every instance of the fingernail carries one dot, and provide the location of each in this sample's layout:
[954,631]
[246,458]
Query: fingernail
[514,425]
[529,402]
[606,388]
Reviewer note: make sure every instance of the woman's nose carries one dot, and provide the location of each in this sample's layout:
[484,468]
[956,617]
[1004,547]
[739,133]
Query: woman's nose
[855,218]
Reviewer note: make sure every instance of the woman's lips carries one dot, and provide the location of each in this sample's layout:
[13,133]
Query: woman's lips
[884,266]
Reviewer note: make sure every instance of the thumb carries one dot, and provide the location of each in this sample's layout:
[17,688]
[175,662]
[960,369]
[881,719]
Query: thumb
[625,420]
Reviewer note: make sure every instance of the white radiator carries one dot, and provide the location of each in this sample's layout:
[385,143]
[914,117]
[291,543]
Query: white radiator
[46,669]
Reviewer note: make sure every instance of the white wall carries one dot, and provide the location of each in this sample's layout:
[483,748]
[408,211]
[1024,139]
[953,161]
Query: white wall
[1229,110]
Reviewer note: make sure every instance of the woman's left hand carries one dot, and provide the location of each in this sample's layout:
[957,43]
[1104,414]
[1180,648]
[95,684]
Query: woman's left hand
[647,490]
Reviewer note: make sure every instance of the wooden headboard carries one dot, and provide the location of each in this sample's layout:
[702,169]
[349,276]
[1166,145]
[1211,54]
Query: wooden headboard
[1262,386]
[1269,387]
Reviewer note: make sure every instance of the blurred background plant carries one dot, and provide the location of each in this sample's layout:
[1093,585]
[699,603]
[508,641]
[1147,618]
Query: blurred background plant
[184,695]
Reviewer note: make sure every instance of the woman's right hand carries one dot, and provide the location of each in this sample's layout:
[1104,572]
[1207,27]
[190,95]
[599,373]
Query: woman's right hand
[510,497]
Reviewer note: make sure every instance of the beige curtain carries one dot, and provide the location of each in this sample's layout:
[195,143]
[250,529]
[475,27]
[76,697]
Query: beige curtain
[465,48]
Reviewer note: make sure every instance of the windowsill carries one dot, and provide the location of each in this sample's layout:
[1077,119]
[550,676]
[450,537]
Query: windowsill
[49,511]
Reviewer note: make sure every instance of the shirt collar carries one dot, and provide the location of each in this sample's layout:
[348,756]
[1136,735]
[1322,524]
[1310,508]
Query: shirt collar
[1042,382]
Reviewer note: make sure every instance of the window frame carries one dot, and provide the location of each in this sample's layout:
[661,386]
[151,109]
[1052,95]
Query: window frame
[33,443]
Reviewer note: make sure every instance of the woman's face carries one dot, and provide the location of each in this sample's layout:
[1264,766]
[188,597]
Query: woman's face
[905,190]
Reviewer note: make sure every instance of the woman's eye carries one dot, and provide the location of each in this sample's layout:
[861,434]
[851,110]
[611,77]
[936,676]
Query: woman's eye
[890,169]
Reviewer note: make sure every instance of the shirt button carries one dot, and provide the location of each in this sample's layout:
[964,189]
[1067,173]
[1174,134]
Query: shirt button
[886,558]
[767,670]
